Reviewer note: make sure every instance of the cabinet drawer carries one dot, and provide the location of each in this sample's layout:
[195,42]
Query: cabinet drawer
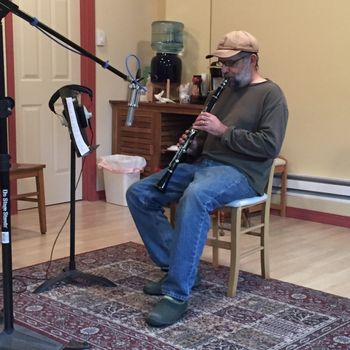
[138,138]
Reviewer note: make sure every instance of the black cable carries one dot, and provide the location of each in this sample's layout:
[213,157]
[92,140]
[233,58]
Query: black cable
[62,227]
[60,43]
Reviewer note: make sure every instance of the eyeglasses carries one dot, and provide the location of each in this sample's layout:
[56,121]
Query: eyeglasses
[229,63]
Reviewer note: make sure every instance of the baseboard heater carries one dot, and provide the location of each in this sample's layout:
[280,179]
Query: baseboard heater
[315,186]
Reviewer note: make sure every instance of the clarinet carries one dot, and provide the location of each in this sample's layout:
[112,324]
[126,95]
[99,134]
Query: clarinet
[163,182]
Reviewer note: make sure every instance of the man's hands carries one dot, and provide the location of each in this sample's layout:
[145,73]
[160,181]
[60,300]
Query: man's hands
[210,123]
[205,122]
[195,148]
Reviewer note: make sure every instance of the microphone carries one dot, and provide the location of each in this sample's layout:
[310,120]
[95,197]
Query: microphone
[135,93]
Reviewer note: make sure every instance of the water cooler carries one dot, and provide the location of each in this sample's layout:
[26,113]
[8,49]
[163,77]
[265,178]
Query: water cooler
[166,65]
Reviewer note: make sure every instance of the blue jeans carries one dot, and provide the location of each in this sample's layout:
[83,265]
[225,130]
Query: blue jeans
[198,188]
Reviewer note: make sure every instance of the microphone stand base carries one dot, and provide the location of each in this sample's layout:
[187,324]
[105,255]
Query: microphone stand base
[71,275]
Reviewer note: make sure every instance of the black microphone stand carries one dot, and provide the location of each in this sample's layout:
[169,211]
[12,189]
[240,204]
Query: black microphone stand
[11,338]
[71,273]
[23,338]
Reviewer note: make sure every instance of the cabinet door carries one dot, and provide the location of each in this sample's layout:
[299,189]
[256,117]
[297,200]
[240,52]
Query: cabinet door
[139,139]
[172,127]
[155,128]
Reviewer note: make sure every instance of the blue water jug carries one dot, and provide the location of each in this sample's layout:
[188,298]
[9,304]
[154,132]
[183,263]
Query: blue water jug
[167,36]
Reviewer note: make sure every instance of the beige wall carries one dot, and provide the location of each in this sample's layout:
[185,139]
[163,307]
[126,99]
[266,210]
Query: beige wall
[127,25]
[195,14]
[305,48]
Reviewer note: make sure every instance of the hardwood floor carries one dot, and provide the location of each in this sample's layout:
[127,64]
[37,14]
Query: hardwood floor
[301,252]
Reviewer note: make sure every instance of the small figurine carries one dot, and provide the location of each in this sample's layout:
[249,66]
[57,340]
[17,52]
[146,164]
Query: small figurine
[184,93]
[163,99]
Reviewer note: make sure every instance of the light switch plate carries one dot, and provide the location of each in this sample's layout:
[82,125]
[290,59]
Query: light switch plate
[100,37]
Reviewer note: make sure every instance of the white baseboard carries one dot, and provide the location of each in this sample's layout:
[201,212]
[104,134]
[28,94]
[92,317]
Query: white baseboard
[318,194]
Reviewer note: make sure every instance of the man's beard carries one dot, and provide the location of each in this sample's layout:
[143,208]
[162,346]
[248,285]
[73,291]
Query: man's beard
[242,79]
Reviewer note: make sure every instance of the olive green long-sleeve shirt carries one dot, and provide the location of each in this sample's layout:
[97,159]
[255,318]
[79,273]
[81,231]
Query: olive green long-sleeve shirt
[256,117]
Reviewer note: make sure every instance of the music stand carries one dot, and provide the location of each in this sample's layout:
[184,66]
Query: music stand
[79,147]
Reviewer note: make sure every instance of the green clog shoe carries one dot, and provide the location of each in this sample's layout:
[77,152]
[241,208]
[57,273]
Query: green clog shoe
[166,312]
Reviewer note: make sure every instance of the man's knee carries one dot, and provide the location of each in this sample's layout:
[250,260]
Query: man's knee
[192,197]
[132,192]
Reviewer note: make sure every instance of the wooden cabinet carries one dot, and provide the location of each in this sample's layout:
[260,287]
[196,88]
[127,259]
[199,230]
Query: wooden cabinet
[156,127]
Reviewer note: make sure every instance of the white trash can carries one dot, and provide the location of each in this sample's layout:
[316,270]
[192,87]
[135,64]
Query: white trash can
[119,173]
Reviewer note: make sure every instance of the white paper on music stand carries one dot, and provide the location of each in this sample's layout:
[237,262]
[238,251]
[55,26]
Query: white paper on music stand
[79,141]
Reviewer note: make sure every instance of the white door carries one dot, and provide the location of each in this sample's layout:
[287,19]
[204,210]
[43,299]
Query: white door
[41,68]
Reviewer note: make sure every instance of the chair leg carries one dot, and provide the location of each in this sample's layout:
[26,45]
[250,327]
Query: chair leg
[236,222]
[41,201]
[215,228]
[283,192]
[246,218]
[264,242]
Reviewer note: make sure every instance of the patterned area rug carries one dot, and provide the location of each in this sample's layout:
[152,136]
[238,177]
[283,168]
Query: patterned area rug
[265,314]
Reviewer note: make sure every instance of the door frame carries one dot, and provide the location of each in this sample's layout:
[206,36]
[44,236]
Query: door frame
[88,78]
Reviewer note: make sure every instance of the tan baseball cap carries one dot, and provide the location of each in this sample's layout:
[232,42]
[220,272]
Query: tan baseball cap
[234,43]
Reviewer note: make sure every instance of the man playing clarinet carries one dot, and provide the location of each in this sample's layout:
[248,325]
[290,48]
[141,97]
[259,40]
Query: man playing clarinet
[235,146]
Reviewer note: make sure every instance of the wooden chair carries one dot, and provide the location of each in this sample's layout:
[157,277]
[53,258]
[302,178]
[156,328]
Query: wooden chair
[261,230]
[281,168]
[22,171]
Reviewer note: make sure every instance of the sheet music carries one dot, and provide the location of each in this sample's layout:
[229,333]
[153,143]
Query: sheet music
[80,143]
